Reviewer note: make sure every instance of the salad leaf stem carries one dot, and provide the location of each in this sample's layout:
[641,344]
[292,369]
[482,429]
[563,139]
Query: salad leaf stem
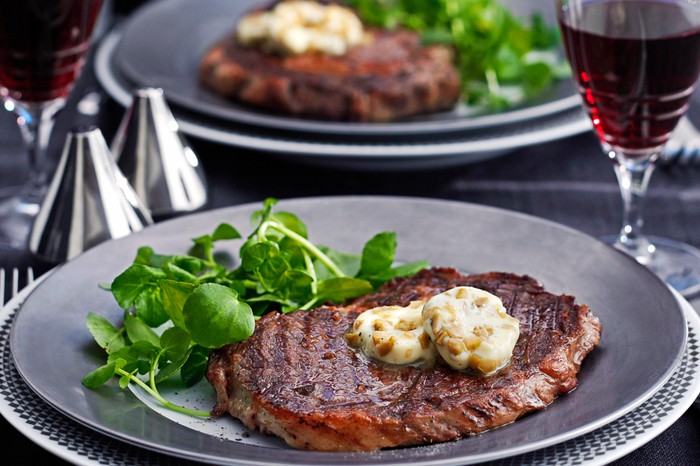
[152,371]
[312,271]
[492,81]
[308,245]
[155,394]
[308,305]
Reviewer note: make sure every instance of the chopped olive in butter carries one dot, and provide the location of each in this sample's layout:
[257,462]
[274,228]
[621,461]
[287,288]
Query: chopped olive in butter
[393,334]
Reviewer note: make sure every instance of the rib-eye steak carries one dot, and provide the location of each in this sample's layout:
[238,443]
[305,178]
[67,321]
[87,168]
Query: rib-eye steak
[297,377]
[391,77]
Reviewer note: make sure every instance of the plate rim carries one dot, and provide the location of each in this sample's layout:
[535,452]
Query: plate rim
[328,459]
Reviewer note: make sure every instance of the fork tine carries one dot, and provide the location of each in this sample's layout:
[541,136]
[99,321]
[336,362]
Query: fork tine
[2,287]
[15,281]
[30,276]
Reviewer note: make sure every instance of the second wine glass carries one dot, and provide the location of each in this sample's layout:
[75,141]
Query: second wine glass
[43,44]
[635,64]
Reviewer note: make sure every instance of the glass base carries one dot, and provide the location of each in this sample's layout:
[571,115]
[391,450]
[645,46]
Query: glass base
[16,217]
[677,263]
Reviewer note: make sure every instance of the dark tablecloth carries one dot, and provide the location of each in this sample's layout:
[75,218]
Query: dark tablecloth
[567,181]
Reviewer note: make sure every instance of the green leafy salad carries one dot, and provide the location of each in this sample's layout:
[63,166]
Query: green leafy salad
[501,60]
[177,308]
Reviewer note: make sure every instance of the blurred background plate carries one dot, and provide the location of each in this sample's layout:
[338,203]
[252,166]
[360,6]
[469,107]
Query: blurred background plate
[359,151]
[164,42]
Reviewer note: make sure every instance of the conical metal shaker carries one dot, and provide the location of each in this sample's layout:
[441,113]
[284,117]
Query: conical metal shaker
[156,159]
[88,201]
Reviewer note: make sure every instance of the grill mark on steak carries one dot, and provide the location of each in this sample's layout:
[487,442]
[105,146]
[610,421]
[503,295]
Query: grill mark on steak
[281,382]
[392,77]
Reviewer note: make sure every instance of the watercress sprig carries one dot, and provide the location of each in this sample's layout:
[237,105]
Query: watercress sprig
[177,308]
[502,60]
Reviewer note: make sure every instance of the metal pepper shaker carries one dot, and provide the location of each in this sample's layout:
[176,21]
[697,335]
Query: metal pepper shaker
[88,201]
[156,159]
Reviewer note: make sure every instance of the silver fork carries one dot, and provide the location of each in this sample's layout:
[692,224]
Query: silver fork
[10,283]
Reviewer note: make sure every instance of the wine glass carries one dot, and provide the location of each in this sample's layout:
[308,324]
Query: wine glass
[43,44]
[635,64]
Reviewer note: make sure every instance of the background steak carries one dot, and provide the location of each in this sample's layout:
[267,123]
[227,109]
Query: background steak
[392,77]
[296,377]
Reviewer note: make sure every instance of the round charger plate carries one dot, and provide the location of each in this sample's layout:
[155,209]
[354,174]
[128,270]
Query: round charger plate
[633,305]
[80,445]
[179,32]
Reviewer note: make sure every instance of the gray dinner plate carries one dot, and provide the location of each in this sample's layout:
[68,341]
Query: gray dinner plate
[644,330]
[355,151]
[165,41]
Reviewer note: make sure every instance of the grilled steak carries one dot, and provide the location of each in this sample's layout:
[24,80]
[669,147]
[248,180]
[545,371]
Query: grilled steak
[296,377]
[392,77]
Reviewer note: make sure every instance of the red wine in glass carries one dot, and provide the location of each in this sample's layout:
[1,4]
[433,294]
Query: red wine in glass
[635,64]
[43,45]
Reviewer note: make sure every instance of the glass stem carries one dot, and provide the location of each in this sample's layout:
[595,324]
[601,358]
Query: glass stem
[36,122]
[633,176]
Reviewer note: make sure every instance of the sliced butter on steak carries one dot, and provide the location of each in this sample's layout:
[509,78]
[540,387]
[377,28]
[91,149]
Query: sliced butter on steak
[298,378]
[393,334]
[471,329]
